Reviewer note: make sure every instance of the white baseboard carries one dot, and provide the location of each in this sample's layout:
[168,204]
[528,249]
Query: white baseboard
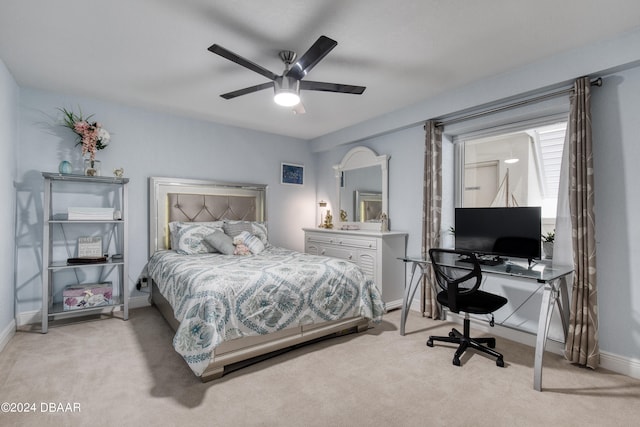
[32,317]
[622,365]
[139,301]
[29,317]
[619,364]
[7,333]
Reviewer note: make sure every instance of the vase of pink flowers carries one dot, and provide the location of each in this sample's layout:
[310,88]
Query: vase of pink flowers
[91,136]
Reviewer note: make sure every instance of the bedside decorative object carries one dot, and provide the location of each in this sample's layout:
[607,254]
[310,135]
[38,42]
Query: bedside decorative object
[92,167]
[328,221]
[65,167]
[90,214]
[77,297]
[91,135]
[118,173]
[384,222]
[322,204]
[89,247]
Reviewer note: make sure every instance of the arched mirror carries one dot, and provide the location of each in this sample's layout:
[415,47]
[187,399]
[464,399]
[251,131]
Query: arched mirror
[362,182]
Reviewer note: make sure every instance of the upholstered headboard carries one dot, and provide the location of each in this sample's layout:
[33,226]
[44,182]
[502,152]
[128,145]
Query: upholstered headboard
[187,200]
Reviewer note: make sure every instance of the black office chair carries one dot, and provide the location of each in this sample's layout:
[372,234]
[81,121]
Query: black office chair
[460,293]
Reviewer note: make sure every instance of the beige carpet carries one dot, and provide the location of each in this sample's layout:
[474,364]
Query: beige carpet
[126,373]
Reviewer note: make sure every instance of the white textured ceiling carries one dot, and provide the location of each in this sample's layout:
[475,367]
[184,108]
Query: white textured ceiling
[153,53]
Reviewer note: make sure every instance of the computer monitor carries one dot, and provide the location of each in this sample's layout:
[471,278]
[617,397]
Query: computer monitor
[502,232]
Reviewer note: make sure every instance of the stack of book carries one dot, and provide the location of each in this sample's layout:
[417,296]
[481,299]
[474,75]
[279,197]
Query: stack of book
[90,214]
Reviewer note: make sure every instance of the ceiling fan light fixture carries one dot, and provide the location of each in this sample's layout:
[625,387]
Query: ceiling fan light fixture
[287,91]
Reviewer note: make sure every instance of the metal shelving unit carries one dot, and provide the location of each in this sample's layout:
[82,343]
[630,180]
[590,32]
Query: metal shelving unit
[116,192]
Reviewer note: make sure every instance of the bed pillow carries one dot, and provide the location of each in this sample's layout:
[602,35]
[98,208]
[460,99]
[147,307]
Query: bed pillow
[220,241]
[174,229]
[190,238]
[254,244]
[173,234]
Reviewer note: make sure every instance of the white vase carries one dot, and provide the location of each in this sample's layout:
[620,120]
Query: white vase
[547,248]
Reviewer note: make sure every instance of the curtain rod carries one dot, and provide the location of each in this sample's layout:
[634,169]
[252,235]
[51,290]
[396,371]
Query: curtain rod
[595,82]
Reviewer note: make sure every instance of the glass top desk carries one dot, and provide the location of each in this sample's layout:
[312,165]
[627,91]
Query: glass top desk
[553,277]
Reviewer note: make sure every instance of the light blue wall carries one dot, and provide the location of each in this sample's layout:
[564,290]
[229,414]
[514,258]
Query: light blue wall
[148,144]
[616,128]
[8,137]
[615,108]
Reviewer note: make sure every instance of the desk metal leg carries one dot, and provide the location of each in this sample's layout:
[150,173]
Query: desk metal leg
[554,293]
[563,304]
[409,292]
[546,309]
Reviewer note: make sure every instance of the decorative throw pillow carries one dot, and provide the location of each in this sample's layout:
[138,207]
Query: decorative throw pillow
[190,238]
[174,229]
[220,242]
[233,228]
[254,244]
[260,230]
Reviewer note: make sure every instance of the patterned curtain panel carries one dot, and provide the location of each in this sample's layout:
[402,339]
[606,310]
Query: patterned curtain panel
[582,340]
[431,211]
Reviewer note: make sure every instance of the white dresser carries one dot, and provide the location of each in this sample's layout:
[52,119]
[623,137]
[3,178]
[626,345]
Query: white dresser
[374,252]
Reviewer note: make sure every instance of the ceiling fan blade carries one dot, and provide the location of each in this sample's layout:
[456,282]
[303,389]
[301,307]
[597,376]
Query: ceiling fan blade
[219,50]
[247,90]
[311,57]
[331,87]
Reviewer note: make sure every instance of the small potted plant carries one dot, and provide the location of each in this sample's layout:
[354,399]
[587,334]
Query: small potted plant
[547,243]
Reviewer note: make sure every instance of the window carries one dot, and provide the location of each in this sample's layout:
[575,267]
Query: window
[518,168]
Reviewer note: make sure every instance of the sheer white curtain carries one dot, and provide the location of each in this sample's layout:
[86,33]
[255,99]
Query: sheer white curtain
[562,244]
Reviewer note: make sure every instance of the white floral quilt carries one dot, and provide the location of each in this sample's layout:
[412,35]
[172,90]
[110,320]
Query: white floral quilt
[218,298]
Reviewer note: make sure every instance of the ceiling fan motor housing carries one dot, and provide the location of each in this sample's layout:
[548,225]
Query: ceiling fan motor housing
[286,90]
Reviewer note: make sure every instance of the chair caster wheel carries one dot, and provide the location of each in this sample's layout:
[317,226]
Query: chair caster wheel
[456,361]
[430,343]
[451,334]
[491,343]
[500,362]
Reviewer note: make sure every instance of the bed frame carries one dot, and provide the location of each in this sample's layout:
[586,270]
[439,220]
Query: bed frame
[173,199]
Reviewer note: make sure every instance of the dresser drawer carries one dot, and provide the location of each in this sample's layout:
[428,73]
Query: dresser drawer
[338,240]
[337,253]
[356,243]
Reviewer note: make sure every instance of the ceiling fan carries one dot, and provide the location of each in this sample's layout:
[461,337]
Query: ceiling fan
[288,85]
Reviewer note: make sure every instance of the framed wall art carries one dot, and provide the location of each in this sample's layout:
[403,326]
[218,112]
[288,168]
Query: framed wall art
[292,174]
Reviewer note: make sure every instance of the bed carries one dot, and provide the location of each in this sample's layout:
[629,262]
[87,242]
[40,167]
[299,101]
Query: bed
[229,309]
